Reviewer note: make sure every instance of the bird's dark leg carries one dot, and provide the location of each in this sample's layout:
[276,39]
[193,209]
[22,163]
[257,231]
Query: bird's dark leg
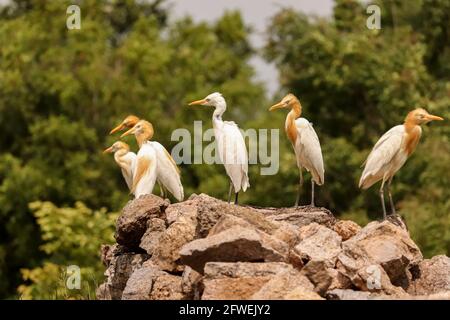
[229,192]
[236,197]
[300,184]
[390,196]
[382,199]
[312,193]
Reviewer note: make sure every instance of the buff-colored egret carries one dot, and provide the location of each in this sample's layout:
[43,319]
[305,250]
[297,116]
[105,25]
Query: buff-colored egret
[230,145]
[125,159]
[305,143]
[391,152]
[144,176]
[167,172]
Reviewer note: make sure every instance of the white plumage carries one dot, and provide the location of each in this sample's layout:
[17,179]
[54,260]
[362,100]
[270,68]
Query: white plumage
[386,158]
[230,144]
[127,164]
[308,151]
[167,172]
[144,176]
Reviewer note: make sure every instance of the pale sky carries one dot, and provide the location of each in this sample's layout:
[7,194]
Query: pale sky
[257,13]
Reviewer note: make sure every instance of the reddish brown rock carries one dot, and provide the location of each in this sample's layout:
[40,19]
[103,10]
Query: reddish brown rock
[232,245]
[346,229]
[319,243]
[120,269]
[166,253]
[132,223]
[231,281]
[282,284]
[431,276]
[150,239]
[302,216]
[379,243]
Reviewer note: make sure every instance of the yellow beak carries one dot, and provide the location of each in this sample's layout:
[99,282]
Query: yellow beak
[108,150]
[279,105]
[433,117]
[118,128]
[197,102]
[131,131]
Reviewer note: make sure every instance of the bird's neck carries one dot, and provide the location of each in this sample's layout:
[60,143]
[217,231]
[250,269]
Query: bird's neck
[218,112]
[410,124]
[118,156]
[291,128]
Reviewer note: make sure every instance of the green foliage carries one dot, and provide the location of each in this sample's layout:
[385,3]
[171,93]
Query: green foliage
[71,236]
[356,83]
[61,91]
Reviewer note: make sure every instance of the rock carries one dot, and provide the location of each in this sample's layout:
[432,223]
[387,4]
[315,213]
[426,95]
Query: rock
[346,229]
[347,294]
[379,243]
[282,284]
[120,269]
[300,294]
[230,281]
[151,283]
[166,253]
[167,287]
[319,275]
[228,221]
[288,233]
[150,239]
[139,285]
[431,276]
[303,216]
[374,279]
[191,284]
[338,280]
[210,210]
[319,243]
[132,223]
[232,245]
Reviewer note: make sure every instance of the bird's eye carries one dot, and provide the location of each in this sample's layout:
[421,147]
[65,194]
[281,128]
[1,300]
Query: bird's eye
[208,99]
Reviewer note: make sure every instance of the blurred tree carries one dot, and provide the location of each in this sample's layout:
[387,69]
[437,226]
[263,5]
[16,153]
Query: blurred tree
[61,91]
[355,84]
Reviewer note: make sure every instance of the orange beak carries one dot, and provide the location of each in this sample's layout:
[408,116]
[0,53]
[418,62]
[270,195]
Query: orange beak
[279,105]
[118,128]
[108,150]
[198,102]
[127,133]
[433,117]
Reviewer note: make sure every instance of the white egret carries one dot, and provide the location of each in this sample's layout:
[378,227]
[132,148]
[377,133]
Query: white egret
[305,143]
[167,172]
[144,176]
[391,152]
[230,145]
[125,159]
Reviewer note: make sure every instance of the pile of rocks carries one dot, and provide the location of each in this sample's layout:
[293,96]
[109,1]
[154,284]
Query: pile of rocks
[204,248]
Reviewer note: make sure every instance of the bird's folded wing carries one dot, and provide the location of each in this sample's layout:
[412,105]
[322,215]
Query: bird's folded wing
[310,148]
[384,150]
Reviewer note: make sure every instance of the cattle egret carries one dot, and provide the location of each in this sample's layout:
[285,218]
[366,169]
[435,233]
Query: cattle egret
[391,152]
[167,172]
[125,159]
[144,176]
[230,145]
[305,143]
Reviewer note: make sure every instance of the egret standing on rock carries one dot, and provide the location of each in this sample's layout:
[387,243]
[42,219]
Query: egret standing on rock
[125,159]
[144,176]
[391,152]
[305,143]
[230,143]
[167,172]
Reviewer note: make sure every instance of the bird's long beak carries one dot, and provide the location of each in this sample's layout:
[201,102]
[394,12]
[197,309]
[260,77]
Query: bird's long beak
[127,133]
[198,102]
[279,105]
[433,117]
[108,150]
[118,128]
